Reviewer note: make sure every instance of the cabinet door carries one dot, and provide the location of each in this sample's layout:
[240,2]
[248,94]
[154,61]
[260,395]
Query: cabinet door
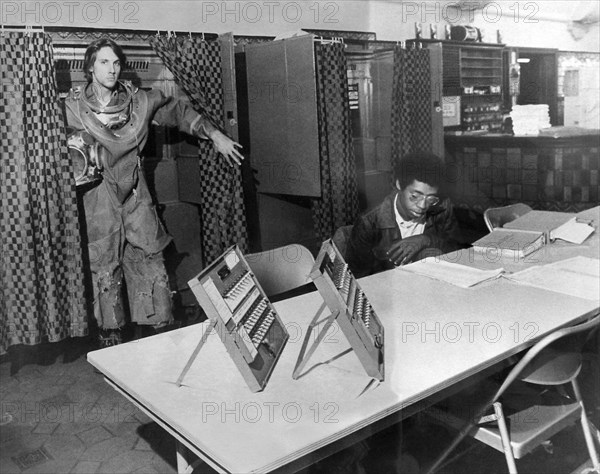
[282,112]
[230,118]
[437,121]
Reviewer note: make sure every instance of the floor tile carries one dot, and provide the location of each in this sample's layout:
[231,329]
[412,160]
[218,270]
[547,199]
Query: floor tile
[106,450]
[142,445]
[8,466]
[86,467]
[94,436]
[45,428]
[65,447]
[30,459]
[127,462]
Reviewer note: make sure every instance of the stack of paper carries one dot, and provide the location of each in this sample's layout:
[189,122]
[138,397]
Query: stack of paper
[572,231]
[557,225]
[454,273]
[577,276]
[529,119]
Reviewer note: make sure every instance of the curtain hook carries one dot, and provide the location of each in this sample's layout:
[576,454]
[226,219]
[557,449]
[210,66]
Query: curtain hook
[190,35]
[202,38]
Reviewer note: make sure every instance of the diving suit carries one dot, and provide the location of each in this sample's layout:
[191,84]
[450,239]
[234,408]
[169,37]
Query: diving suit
[125,236]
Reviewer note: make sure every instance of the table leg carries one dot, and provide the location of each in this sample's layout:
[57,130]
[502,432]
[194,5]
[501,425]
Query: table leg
[183,459]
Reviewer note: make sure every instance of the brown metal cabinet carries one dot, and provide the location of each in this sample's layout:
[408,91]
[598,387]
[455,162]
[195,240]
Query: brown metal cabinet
[283,138]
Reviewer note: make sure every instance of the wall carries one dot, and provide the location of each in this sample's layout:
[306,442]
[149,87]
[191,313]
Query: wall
[522,23]
[542,24]
[579,86]
[243,17]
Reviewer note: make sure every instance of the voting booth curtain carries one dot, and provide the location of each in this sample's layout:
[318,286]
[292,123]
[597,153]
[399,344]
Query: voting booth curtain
[338,204]
[41,265]
[196,66]
[411,102]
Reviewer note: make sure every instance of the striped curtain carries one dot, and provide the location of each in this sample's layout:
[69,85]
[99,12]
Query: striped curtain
[42,294]
[196,66]
[411,102]
[338,204]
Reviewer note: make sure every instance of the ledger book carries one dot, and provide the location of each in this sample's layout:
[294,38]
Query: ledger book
[510,242]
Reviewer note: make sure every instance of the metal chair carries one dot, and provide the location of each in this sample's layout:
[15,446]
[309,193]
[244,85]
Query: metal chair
[341,238]
[281,269]
[498,216]
[517,416]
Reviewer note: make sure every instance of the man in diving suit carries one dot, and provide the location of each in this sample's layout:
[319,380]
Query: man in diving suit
[125,236]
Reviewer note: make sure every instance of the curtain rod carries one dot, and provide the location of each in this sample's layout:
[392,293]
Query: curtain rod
[322,40]
[18,28]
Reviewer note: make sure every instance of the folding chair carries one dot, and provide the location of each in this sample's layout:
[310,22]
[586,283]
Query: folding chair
[516,418]
[282,269]
[341,238]
[498,216]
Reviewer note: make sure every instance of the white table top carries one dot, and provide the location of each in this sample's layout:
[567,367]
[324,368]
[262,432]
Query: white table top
[435,336]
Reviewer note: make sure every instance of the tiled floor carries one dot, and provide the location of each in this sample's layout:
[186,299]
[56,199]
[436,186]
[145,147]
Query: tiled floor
[60,416]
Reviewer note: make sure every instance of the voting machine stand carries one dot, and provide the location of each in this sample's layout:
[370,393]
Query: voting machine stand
[242,315]
[350,308]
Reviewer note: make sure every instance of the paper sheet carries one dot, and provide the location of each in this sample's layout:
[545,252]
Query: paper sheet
[582,265]
[572,231]
[454,273]
[578,276]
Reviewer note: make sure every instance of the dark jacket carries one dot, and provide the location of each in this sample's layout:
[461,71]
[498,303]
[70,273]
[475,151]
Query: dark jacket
[376,230]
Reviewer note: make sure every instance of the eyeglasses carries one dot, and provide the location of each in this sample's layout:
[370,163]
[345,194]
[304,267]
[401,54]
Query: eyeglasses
[429,200]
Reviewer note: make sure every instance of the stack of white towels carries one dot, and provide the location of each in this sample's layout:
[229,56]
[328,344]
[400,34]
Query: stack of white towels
[529,119]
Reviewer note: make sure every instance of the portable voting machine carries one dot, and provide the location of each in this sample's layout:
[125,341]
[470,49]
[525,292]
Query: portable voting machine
[242,315]
[350,307]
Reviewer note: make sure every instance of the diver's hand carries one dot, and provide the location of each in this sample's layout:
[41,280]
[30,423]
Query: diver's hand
[227,147]
[404,250]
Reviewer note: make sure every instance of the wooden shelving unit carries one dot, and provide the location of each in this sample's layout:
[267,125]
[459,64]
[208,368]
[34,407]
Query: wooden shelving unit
[478,73]
[474,73]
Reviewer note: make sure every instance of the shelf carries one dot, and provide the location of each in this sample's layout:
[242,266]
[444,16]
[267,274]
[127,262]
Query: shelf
[482,95]
[481,67]
[483,113]
[476,69]
[484,58]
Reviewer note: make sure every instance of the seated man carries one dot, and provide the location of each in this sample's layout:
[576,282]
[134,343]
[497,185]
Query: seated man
[411,223]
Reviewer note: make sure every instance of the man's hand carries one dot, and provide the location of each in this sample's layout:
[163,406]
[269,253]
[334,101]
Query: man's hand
[404,250]
[227,147]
